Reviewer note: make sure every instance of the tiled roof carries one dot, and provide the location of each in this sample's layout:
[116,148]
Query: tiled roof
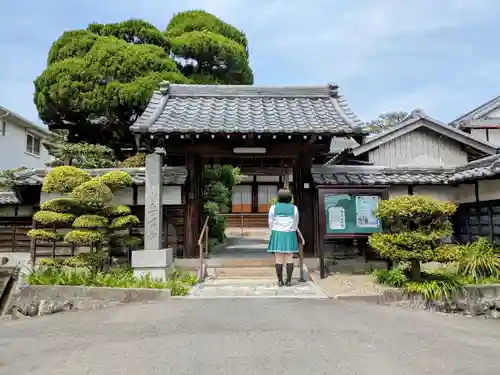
[471,118]
[477,170]
[171,175]
[8,197]
[247,109]
[375,175]
[339,144]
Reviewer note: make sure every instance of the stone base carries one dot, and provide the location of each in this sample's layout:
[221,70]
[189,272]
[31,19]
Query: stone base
[156,263]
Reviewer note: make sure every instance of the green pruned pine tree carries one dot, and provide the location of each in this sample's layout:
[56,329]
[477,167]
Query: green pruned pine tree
[415,226]
[85,204]
[99,80]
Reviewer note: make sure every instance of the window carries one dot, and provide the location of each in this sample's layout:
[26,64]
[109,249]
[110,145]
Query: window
[3,127]
[482,219]
[32,144]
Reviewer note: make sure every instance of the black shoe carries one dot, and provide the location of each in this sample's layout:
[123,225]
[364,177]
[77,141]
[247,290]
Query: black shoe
[279,273]
[289,272]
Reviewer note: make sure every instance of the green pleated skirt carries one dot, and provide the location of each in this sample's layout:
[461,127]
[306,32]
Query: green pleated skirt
[283,242]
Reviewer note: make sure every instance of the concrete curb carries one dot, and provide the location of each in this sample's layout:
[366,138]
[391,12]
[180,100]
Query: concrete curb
[33,300]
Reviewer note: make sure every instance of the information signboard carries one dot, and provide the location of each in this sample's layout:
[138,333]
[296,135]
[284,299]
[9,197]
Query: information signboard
[351,214]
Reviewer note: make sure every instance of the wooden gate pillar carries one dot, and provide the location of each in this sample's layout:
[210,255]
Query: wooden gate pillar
[194,204]
[304,196]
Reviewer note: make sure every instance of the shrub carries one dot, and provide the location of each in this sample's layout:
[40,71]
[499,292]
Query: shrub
[49,217]
[62,205]
[44,235]
[116,179]
[90,202]
[90,221]
[218,181]
[416,225]
[136,161]
[118,210]
[477,260]
[435,286]
[60,273]
[93,194]
[83,155]
[64,179]
[395,277]
[124,222]
[84,237]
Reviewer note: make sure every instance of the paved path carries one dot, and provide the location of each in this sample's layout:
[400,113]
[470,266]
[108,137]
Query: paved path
[257,337]
[256,288]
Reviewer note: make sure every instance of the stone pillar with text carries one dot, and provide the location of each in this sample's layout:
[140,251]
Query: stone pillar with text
[154,259]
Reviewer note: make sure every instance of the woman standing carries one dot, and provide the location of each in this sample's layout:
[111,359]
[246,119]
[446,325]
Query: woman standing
[283,222]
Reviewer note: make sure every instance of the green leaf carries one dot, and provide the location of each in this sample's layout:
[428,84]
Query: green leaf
[48,217]
[90,222]
[125,222]
[93,194]
[64,179]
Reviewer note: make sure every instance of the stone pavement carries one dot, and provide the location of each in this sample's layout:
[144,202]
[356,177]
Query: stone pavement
[255,288]
[250,336]
[343,286]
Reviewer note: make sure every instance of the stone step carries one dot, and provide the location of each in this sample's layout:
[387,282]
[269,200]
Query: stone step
[250,273]
[256,288]
[230,262]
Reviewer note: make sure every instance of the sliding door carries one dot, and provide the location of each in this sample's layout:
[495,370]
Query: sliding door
[242,198]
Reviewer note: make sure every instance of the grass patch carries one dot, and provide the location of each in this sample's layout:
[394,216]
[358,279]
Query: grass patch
[179,282]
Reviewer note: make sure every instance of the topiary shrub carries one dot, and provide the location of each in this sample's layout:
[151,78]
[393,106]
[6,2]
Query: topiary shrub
[90,222]
[118,210]
[44,235]
[116,179]
[61,205]
[88,209]
[84,237]
[135,161]
[92,194]
[64,179]
[123,222]
[415,225]
[49,217]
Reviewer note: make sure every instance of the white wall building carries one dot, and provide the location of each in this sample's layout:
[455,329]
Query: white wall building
[21,142]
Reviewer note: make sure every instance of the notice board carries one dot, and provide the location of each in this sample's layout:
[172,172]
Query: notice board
[351,214]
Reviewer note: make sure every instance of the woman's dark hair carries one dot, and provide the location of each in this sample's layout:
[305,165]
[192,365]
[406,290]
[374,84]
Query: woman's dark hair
[284,196]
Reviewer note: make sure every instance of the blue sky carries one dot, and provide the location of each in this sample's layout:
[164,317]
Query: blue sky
[438,55]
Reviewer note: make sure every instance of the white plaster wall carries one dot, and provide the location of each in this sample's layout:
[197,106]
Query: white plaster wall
[172,195]
[245,178]
[268,179]
[488,135]
[440,192]
[478,134]
[465,193]
[396,191]
[13,150]
[494,136]
[273,178]
[489,190]
[494,114]
[124,196]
